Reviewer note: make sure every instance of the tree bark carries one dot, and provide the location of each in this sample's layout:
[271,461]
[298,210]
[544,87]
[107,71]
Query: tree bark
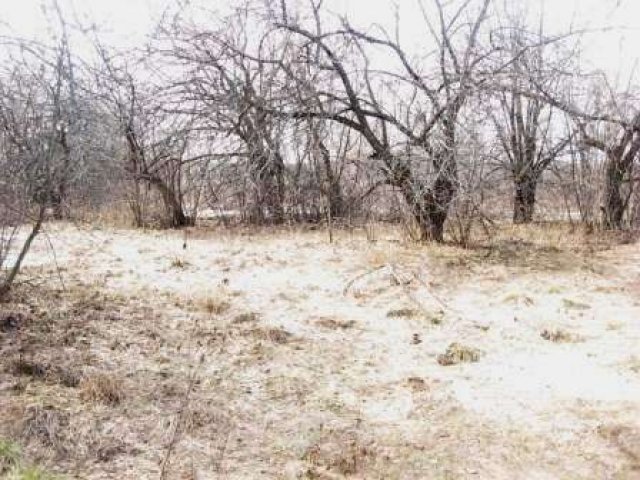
[57,203]
[275,196]
[176,218]
[334,191]
[524,199]
[6,284]
[269,178]
[614,204]
[59,186]
[336,201]
[429,208]
[433,207]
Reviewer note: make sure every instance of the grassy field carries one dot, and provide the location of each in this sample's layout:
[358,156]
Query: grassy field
[276,354]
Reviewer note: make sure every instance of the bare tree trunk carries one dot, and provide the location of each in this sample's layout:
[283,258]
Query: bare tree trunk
[269,180]
[524,199]
[620,159]
[429,209]
[59,187]
[434,210]
[614,204]
[57,201]
[6,284]
[429,216]
[135,201]
[176,218]
[334,191]
[437,200]
[275,192]
[336,200]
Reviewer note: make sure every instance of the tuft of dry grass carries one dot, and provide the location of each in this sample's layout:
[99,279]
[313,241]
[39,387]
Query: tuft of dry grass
[334,324]
[550,246]
[417,384]
[518,298]
[457,353]
[28,368]
[246,317]
[559,336]
[377,258]
[626,438]
[278,335]
[179,263]
[403,313]
[47,425]
[434,317]
[102,388]
[341,452]
[275,335]
[40,371]
[570,304]
[214,305]
[634,364]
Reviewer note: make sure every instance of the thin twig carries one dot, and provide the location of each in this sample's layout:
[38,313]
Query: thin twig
[362,275]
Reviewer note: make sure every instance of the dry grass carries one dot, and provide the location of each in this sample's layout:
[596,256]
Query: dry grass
[518,299]
[557,236]
[246,317]
[305,389]
[274,335]
[179,263]
[626,439]
[417,384]
[403,313]
[344,452]
[457,353]
[560,336]
[634,364]
[102,388]
[435,317]
[214,305]
[57,374]
[334,323]
[47,425]
[574,305]
[553,246]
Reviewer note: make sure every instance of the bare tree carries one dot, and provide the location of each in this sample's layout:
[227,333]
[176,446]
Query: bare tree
[228,96]
[425,126]
[530,138]
[156,143]
[34,149]
[621,154]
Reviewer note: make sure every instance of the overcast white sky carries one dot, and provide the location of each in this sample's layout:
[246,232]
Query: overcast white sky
[127,22]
